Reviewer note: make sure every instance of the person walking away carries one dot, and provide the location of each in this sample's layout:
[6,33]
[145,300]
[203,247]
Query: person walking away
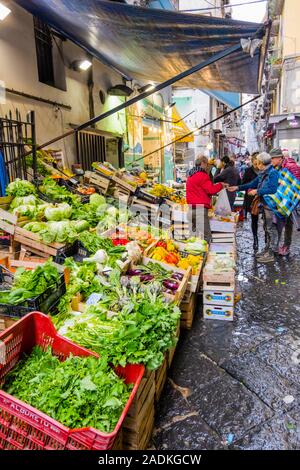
[281,160]
[265,183]
[250,174]
[199,191]
[229,175]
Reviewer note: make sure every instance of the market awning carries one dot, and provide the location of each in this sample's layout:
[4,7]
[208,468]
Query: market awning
[155,45]
[179,128]
[232,100]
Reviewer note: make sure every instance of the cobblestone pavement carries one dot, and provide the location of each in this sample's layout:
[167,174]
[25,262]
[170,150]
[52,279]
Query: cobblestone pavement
[237,385]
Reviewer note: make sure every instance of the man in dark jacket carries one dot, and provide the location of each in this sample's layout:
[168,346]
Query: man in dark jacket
[230,175]
[249,175]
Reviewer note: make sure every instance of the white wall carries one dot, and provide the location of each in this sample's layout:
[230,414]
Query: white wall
[19,71]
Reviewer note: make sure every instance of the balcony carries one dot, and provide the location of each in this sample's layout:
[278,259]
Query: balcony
[276,71]
[273,83]
[275,27]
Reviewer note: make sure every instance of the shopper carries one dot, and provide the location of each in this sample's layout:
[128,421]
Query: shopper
[199,191]
[250,174]
[281,161]
[230,175]
[265,183]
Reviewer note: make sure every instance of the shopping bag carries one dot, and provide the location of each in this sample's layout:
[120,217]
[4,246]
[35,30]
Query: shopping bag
[287,196]
[222,206]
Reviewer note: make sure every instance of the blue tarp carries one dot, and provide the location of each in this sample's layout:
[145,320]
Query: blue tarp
[154,45]
[233,100]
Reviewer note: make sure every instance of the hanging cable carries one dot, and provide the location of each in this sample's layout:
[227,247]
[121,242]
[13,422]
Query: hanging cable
[198,129]
[226,6]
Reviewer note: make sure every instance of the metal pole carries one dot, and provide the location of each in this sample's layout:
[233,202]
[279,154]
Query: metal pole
[34,149]
[198,129]
[216,57]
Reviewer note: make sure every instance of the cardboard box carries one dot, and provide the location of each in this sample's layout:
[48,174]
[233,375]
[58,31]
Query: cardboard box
[218,297]
[212,312]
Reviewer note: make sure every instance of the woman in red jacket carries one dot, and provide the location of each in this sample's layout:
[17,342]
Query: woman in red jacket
[199,190]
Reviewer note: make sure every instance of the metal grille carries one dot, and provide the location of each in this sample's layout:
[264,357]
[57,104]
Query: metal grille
[90,148]
[15,134]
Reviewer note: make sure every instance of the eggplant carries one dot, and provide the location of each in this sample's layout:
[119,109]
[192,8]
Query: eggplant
[171,284]
[135,272]
[169,291]
[177,276]
[146,277]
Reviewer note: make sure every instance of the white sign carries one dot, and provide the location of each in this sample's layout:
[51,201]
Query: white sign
[2,92]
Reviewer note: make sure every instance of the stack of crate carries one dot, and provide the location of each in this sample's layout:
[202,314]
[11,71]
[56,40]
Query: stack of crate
[219,287]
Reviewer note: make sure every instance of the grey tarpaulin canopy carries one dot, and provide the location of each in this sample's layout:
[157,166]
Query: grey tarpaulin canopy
[155,45]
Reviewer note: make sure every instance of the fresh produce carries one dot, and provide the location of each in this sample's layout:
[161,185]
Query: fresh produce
[64,231]
[20,188]
[58,212]
[92,242]
[168,252]
[128,325]
[152,271]
[55,192]
[160,190]
[78,392]
[221,263]
[30,284]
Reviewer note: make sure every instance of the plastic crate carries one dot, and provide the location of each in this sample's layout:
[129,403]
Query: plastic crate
[24,427]
[145,196]
[47,301]
[65,252]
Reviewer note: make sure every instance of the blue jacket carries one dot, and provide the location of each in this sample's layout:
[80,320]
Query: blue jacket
[266,182]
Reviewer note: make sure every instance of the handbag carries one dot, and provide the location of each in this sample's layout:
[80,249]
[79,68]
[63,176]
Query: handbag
[255,206]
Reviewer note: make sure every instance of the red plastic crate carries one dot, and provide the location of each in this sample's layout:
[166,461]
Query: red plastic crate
[24,427]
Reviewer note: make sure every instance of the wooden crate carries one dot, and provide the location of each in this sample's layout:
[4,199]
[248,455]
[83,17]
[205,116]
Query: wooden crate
[218,281]
[6,322]
[171,352]
[160,379]
[139,422]
[32,243]
[120,182]
[5,202]
[118,444]
[8,222]
[188,312]
[194,278]
[102,183]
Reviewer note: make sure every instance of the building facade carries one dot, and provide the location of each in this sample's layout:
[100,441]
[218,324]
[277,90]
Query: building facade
[282,85]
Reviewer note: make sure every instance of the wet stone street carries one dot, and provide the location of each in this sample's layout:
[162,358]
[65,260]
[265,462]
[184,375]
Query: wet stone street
[236,384]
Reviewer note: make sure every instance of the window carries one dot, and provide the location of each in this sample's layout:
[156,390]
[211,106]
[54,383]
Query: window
[50,62]
[43,44]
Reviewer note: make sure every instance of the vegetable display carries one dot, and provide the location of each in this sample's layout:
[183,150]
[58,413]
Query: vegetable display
[55,192]
[20,188]
[78,392]
[63,231]
[154,272]
[128,324]
[168,252]
[29,284]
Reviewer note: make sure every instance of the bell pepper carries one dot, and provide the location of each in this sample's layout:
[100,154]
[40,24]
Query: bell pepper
[170,246]
[171,258]
[183,264]
[162,244]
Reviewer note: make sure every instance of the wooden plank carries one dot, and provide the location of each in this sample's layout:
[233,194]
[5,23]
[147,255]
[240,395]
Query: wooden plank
[32,244]
[171,352]
[160,379]
[5,215]
[6,227]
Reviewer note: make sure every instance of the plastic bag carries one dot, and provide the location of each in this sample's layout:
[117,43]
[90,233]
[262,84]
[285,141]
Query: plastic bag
[222,206]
